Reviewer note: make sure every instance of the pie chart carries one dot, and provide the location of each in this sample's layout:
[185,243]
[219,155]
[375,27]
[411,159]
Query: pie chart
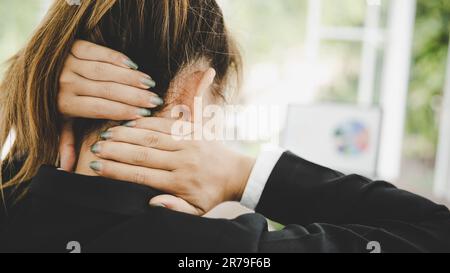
[352,138]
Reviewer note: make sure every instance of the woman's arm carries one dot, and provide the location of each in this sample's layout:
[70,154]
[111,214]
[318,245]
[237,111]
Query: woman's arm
[318,194]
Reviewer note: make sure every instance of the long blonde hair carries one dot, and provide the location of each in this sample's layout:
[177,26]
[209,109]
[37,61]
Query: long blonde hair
[163,35]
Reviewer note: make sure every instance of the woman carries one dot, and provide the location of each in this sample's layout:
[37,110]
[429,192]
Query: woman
[184,46]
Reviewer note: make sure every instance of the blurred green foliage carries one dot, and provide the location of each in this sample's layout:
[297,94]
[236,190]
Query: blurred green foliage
[266,28]
[353,11]
[431,41]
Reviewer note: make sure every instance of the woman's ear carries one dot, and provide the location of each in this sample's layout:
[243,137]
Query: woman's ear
[205,83]
[188,86]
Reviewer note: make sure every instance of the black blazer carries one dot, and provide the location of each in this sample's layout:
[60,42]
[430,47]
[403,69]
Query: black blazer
[324,211]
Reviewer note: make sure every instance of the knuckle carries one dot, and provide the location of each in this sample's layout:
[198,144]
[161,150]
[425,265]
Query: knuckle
[195,145]
[116,57]
[175,179]
[191,162]
[64,78]
[139,177]
[86,46]
[78,45]
[131,77]
[192,165]
[151,140]
[66,73]
[191,178]
[98,69]
[195,168]
[81,46]
[141,157]
[106,90]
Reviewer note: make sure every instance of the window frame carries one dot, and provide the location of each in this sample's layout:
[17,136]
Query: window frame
[396,42]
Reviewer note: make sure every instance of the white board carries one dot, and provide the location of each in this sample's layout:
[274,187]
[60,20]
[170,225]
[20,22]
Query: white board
[342,137]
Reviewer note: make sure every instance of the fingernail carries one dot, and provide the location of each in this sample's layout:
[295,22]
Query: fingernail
[144,112]
[131,64]
[156,101]
[95,149]
[96,166]
[130,124]
[106,135]
[148,82]
[157,205]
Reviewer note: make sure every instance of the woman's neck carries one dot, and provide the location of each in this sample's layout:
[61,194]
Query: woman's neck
[85,157]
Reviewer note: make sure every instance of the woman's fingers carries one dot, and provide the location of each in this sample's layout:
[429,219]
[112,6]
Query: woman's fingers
[174,203]
[98,71]
[97,83]
[158,179]
[135,155]
[113,91]
[143,137]
[89,51]
[97,108]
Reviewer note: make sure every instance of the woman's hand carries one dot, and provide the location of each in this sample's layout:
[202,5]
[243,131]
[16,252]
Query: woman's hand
[201,173]
[100,83]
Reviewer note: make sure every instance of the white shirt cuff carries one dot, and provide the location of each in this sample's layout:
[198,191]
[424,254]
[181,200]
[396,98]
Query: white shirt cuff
[261,172]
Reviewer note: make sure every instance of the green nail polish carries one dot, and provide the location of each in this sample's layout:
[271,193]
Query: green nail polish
[95,149]
[144,112]
[106,135]
[131,64]
[130,124]
[157,101]
[158,205]
[148,82]
[96,166]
